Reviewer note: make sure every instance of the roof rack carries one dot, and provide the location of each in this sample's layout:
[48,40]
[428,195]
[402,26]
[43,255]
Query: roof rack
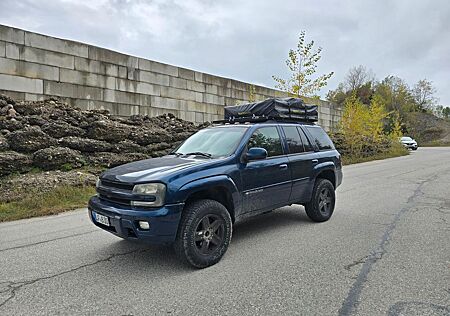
[260,119]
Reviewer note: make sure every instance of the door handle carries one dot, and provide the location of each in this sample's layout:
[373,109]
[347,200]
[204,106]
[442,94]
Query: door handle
[315,161]
[283,166]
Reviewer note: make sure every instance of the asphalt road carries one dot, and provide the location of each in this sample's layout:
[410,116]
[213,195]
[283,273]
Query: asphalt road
[385,251]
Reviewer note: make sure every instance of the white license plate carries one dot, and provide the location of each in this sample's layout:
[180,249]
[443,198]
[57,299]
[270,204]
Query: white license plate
[101,219]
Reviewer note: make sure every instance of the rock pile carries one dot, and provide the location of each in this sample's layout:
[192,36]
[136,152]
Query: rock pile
[52,135]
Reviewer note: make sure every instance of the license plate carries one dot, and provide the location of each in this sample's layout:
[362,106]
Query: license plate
[101,219]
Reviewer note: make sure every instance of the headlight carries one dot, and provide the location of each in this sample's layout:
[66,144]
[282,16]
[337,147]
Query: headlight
[152,194]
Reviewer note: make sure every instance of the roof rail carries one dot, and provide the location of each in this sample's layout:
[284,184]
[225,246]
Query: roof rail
[260,119]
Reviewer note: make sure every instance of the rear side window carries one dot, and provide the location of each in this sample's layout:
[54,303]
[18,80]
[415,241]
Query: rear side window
[305,141]
[293,139]
[320,137]
[267,138]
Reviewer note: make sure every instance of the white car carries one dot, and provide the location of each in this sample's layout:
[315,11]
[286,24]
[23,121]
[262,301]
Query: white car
[408,142]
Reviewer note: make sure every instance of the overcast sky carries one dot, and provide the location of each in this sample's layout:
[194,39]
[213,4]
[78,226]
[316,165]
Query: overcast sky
[249,40]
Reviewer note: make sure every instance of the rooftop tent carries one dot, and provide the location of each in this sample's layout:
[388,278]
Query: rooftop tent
[293,109]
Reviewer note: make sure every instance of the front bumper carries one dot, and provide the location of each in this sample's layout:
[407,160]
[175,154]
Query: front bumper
[410,146]
[124,221]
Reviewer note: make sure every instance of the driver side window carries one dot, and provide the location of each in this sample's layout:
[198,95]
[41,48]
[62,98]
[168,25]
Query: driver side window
[267,138]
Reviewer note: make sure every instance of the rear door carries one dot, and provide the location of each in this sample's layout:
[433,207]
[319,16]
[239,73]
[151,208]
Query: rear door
[266,183]
[302,159]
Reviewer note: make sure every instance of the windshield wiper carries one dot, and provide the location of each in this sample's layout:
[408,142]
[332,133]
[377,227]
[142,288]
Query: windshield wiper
[199,153]
[176,154]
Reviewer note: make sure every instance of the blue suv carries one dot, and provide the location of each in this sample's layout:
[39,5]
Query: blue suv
[220,175]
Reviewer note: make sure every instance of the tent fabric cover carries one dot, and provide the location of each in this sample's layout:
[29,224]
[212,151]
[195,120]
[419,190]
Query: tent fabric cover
[282,108]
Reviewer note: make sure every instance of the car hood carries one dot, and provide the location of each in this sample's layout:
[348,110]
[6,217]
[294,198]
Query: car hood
[154,168]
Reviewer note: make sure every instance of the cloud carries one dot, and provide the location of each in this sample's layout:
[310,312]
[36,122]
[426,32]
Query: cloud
[249,40]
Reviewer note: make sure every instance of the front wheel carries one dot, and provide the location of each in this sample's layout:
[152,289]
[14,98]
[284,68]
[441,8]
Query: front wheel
[321,206]
[204,233]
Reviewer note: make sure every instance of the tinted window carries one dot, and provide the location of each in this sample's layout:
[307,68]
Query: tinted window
[293,139]
[306,143]
[320,137]
[267,138]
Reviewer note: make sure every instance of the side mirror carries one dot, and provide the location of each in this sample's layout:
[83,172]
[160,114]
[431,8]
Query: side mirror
[256,153]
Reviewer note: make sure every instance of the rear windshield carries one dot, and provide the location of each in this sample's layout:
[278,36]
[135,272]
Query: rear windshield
[406,138]
[320,138]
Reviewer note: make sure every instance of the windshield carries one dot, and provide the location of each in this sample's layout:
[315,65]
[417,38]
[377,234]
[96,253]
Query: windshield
[406,138]
[217,142]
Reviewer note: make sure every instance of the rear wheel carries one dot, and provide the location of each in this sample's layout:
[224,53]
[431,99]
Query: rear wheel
[204,233]
[321,206]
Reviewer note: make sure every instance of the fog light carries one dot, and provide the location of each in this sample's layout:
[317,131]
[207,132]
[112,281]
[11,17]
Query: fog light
[144,225]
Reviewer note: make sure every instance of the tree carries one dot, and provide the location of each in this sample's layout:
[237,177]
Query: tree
[357,77]
[423,93]
[446,112]
[302,64]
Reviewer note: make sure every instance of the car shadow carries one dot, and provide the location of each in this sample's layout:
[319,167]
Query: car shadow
[149,259]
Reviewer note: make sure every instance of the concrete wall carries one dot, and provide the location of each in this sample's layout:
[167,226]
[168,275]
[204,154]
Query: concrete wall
[35,66]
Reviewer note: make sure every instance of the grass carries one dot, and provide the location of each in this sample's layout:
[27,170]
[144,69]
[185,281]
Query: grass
[435,143]
[60,199]
[395,151]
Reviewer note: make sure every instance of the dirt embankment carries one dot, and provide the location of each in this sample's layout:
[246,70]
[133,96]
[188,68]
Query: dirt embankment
[428,129]
[43,138]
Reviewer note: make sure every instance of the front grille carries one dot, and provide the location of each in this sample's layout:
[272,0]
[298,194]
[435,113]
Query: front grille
[117,185]
[113,199]
[115,192]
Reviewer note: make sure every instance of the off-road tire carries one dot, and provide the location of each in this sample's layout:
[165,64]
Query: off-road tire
[187,246]
[315,210]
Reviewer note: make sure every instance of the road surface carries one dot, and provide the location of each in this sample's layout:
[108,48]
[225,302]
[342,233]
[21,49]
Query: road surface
[385,251]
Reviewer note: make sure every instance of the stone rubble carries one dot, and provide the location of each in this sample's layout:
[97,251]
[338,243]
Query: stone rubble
[51,135]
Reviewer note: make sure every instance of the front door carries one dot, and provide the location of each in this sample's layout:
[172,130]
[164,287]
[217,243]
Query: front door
[266,183]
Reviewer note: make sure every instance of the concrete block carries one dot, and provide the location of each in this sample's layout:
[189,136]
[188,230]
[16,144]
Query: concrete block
[72,91]
[174,93]
[126,85]
[13,94]
[213,99]
[199,118]
[137,87]
[186,74]
[163,69]
[2,49]
[95,66]
[166,103]
[133,74]
[123,97]
[190,116]
[21,84]
[87,79]
[218,81]
[144,64]
[324,109]
[112,57]
[182,115]
[196,86]
[207,117]
[147,88]
[46,57]
[30,70]
[198,76]
[212,89]
[33,97]
[224,92]
[178,83]
[193,106]
[12,51]
[155,78]
[237,94]
[123,72]
[13,35]
[56,44]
